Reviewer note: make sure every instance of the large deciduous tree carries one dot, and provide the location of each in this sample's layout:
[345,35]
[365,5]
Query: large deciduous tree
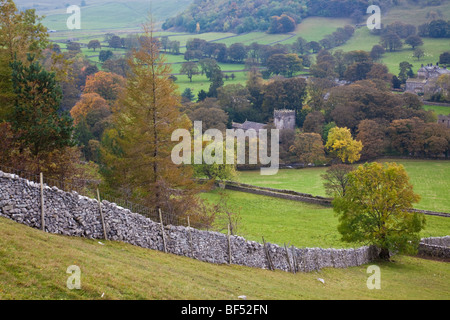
[309,148]
[375,209]
[341,143]
[138,153]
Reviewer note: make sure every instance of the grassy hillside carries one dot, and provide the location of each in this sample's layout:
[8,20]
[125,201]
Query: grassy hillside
[33,266]
[105,14]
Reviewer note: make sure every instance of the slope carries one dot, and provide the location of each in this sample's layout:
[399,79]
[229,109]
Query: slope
[33,266]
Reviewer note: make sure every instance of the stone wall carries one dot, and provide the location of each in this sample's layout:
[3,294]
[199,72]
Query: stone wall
[277,193]
[71,214]
[435,247]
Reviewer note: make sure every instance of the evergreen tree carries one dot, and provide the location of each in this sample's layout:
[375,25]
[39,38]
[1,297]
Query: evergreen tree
[36,117]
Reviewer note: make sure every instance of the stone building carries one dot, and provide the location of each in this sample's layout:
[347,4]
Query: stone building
[283,120]
[425,76]
[248,125]
[445,120]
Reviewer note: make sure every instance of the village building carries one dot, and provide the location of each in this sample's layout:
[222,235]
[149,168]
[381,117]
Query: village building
[445,120]
[283,120]
[425,76]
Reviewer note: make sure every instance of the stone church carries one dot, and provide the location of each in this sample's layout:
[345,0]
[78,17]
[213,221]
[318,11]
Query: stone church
[283,120]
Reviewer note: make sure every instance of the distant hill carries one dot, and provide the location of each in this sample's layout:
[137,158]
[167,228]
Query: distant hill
[105,14]
[249,15]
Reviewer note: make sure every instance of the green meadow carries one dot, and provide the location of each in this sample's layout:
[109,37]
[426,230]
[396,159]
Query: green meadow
[431,180]
[439,110]
[300,224]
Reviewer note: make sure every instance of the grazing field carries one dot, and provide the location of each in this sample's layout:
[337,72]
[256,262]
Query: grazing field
[108,15]
[316,28]
[439,110]
[414,14]
[300,224]
[431,180]
[33,266]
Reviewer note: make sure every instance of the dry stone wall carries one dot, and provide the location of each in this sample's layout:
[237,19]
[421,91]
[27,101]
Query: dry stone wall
[71,214]
[435,247]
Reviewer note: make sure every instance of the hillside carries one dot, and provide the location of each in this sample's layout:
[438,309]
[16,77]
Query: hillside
[105,14]
[33,266]
[263,15]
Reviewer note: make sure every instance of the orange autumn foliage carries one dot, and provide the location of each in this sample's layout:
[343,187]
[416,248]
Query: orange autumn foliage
[87,103]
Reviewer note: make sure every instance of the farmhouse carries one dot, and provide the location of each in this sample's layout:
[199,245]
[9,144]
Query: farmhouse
[425,76]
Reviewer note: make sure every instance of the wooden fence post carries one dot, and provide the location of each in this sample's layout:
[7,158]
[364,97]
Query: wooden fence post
[162,230]
[190,237]
[271,267]
[288,259]
[294,259]
[42,203]
[229,245]
[101,215]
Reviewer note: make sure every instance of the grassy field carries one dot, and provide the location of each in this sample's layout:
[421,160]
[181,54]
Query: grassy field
[431,179]
[111,15]
[33,266]
[438,109]
[301,224]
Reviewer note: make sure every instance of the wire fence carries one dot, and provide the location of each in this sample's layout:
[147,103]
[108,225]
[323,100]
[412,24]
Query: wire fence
[88,188]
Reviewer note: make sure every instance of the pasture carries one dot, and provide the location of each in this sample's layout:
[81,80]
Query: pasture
[431,180]
[301,224]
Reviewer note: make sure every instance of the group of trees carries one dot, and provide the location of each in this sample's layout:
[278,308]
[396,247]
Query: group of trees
[255,101]
[238,16]
[438,28]
[264,15]
[394,36]
[36,133]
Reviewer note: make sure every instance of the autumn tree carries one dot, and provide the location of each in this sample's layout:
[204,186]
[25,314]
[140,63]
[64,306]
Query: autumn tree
[314,122]
[284,94]
[373,137]
[117,66]
[137,151]
[343,146]
[108,85]
[309,148]
[87,103]
[375,209]
[211,118]
[336,179]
